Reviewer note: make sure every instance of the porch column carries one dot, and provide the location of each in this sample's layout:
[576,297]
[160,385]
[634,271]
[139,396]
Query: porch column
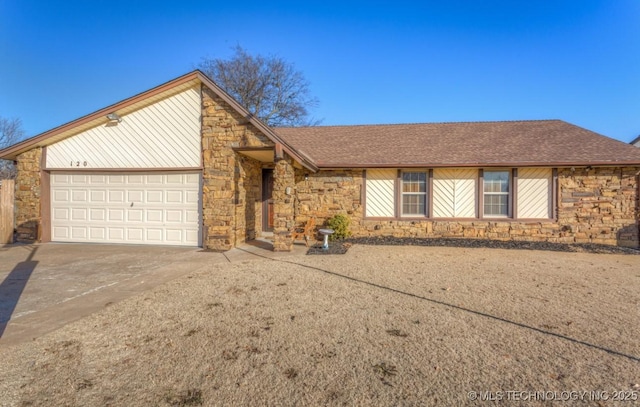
[283,222]
[28,196]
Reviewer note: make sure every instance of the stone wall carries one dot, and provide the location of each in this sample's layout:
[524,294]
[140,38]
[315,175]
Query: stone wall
[599,206]
[283,204]
[325,193]
[27,196]
[227,219]
[248,199]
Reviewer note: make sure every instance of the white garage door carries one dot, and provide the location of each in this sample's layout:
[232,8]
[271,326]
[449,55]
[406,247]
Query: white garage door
[134,208]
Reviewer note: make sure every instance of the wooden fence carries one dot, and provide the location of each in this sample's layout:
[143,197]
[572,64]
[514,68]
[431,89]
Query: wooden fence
[6,211]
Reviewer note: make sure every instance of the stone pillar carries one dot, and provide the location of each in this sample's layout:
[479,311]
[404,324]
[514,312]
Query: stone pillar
[230,183]
[27,196]
[218,177]
[283,222]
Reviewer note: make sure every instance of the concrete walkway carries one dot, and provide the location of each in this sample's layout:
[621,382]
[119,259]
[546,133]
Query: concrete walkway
[44,287]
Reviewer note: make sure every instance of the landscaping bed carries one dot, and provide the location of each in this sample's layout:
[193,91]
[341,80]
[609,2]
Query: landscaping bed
[494,244]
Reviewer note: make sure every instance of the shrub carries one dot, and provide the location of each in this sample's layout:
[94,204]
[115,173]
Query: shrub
[340,224]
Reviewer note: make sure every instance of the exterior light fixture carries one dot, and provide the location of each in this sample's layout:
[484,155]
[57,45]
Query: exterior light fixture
[114,118]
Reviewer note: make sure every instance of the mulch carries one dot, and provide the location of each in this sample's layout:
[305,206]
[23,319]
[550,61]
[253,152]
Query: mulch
[335,247]
[341,247]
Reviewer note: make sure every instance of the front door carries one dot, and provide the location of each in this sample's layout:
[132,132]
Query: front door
[267,200]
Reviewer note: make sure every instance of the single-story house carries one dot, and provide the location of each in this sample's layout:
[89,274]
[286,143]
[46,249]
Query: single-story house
[185,164]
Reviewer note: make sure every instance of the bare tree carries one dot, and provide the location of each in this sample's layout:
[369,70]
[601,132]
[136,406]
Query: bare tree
[269,87]
[10,132]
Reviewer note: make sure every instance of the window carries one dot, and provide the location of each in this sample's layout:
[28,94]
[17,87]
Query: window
[414,194]
[496,193]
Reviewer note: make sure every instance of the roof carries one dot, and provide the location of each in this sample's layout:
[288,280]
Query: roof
[508,143]
[139,101]
[635,142]
[512,143]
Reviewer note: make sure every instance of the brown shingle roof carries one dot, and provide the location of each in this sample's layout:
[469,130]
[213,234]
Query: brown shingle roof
[509,143]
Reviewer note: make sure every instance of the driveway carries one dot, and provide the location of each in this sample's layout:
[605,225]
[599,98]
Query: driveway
[43,287]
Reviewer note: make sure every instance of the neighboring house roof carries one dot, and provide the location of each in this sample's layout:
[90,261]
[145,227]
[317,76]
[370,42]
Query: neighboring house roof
[508,143]
[635,142]
[139,101]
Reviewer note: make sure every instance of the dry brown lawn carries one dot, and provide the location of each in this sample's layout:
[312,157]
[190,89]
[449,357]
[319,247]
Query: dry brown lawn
[376,326]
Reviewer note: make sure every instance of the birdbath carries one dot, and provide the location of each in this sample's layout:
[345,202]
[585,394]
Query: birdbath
[326,233]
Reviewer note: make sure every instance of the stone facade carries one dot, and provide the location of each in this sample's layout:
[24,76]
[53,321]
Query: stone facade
[283,208]
[325,193]
[248,199]
[230,182]
[598,206]
[28,195]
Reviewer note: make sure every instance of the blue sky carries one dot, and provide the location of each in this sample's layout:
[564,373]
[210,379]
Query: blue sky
[368,62]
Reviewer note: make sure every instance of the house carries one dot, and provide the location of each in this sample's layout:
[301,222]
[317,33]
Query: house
[185,164]
[636,142]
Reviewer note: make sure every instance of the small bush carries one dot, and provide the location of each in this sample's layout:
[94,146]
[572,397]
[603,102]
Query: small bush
[340,224]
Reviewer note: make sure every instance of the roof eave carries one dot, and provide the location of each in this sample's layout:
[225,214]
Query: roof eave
[259,124]
[11,152]
[325,165]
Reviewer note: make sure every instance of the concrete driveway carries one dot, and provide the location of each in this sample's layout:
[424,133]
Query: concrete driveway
[43,287]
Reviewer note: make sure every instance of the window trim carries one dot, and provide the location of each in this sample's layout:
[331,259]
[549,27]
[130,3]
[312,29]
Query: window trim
[511,193]
[401,194]
[398,216]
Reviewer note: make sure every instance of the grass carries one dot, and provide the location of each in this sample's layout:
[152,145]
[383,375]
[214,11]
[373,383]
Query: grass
[375,326]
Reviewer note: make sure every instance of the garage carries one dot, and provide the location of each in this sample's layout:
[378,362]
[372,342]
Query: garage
[130,208]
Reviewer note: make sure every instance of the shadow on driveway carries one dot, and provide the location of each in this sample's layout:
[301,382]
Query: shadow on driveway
[12,287]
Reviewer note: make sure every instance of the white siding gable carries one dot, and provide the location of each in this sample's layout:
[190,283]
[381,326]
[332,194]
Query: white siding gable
[380,193]
[534,193]
[165,134]
[454,193]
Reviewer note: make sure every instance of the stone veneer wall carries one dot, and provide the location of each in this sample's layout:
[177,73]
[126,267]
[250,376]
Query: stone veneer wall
[248,199]
[599,206]
[283,204]
[326,193]
[227,184]
[27,195]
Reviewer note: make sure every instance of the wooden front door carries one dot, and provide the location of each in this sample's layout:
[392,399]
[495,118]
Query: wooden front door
[267,200]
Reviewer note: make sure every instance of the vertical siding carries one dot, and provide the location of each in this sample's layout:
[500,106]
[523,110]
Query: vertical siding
[454,193]
[380,193]
[534,193]
[165,134]
[6,211]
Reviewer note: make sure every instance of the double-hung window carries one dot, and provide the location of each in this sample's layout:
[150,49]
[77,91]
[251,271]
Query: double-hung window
[414,194]
[496,193]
